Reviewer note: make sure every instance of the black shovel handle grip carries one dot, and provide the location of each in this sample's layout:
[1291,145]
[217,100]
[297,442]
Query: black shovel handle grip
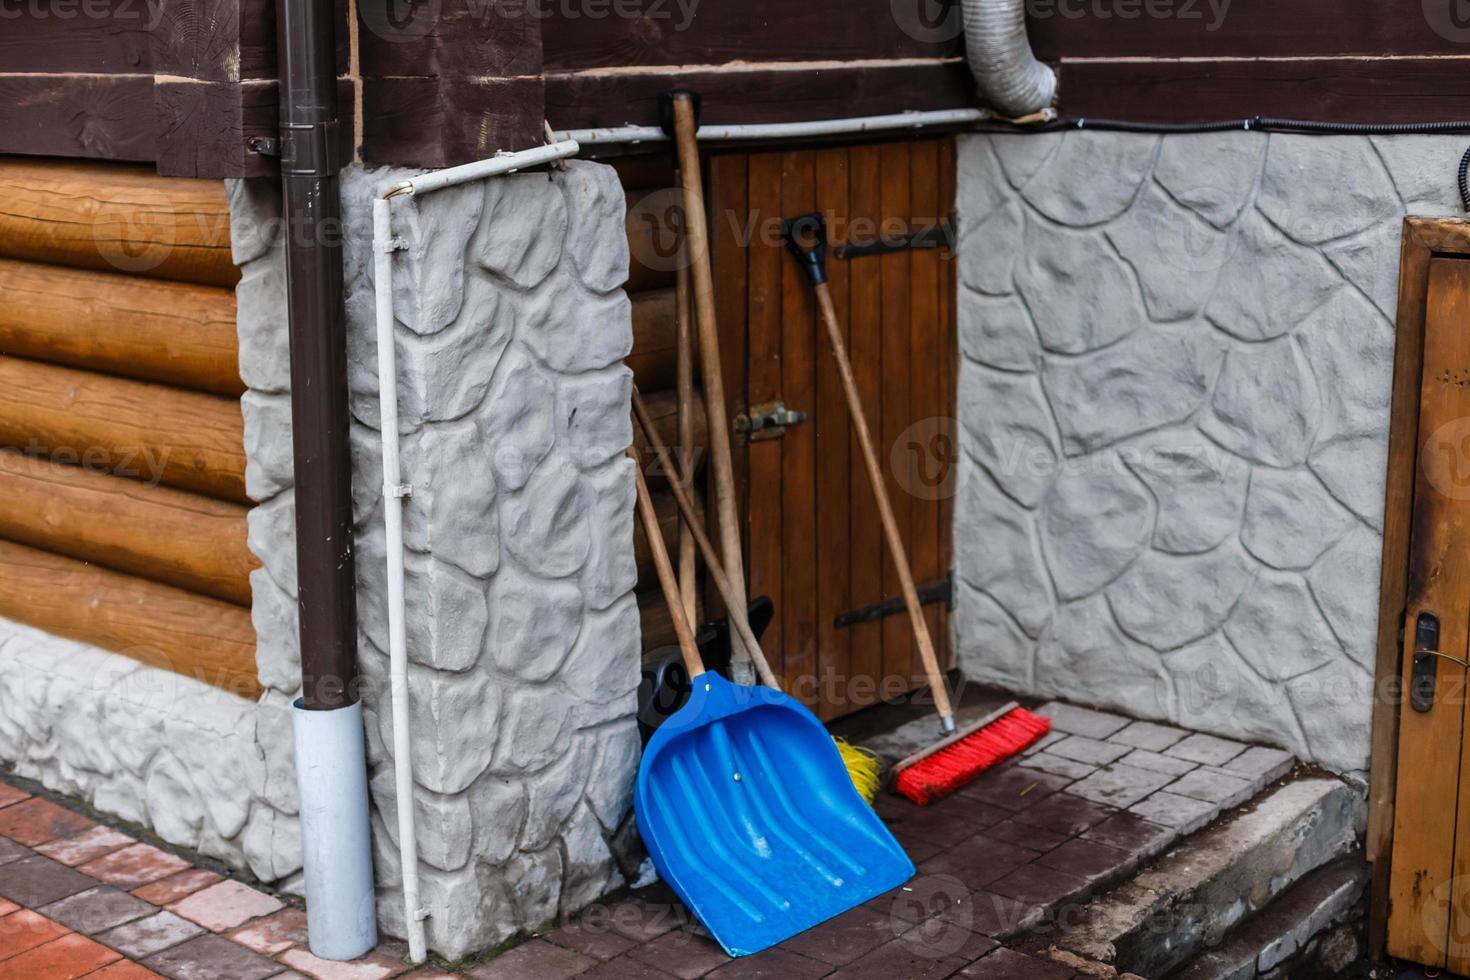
[806,238]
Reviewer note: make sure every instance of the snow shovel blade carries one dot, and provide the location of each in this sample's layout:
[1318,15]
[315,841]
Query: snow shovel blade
[748,813]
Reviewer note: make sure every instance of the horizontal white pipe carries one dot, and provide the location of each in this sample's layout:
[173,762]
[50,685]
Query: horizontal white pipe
[789,130]
[501,163]
[336,841]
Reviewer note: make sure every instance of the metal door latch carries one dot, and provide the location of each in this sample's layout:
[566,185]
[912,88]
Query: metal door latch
[768,420]
[1424,677]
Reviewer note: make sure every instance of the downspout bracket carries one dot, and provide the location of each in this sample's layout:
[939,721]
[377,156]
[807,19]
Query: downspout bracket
[311,149]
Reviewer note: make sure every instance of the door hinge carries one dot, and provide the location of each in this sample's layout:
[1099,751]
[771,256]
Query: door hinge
[768,420]
[929,595]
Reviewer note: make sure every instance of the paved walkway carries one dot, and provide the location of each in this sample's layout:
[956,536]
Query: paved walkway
[1003,857]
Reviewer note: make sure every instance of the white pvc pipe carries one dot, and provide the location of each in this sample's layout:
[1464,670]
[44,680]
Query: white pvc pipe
[394,490]
[789,130]
[331,782]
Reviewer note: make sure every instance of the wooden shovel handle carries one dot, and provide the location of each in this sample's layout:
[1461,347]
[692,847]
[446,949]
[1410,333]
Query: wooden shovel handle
[698,257]
[684,383]
[738,618]
[885,508]
[666,580]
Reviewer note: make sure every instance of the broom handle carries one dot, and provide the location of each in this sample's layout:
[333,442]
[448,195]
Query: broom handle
[697,254]
[666,580]
[885,510]
[684,384]
[738,617]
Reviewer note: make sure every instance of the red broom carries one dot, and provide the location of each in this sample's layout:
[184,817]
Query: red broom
[953,762]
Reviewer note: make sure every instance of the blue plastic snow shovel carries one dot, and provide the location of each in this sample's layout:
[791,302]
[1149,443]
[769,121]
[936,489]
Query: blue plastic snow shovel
[746,807]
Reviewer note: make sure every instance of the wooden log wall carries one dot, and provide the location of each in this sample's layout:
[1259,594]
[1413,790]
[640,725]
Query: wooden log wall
[122,461]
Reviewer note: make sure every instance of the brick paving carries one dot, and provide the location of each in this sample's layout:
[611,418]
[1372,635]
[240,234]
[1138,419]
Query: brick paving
[1086,806]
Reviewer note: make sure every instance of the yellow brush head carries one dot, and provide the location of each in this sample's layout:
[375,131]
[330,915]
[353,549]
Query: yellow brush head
[863,766]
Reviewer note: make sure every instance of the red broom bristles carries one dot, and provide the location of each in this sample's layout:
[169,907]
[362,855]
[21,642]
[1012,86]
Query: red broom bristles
[950,768]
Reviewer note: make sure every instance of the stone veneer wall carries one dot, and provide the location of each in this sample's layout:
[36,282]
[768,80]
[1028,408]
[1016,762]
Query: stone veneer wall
[522,626]
[1174,400]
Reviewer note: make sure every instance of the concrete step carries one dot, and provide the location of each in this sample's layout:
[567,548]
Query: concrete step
[1307,930]
[1191,897]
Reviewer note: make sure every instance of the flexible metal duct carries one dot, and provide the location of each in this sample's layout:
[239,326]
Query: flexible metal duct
[1010,77]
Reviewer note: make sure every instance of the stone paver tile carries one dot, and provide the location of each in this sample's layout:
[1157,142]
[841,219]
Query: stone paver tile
[36,821]
[534,960]
[1007,964]
[211,958]
[1059,766]
[772,964]
[11,794]
[1207,750]
[1262,762]
[1037,884]
[274,933]
[1155,762]
[1089,750]
[902,958]
[1214,786]
[135,865]
[1148,735]
[937,939]
[97,910]
[978,860]
[7,907]
[225,905]
[11,851]
[429,972]
[1031,837]
[598,941]
[683,953]
[1000,916]
[61,959]
[1014,788]
[641,918]
[86,846]
[377,965]
[1183,813]
[1130,832]
[142,938]
[124,970]
[1067,814]
[1089,859]
[945,823]
[1119,785]
[169,890]
[23,930]
[847,937]
[1041,743]
[1082,721]
[625,968]
[37,881]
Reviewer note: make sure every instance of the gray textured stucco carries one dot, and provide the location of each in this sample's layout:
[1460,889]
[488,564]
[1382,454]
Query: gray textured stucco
[522,625]
[1174,403]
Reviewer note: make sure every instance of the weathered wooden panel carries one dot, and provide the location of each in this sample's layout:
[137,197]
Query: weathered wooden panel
[115,218]
[1331,90]
[143,431]
[668,522]
[654,359]
[161,534]
[443,122]
[209,640]
[174,333]
[101,36]
[100,117]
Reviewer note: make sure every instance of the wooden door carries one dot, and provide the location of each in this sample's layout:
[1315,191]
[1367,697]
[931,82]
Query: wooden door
[813,540]
[1429,892]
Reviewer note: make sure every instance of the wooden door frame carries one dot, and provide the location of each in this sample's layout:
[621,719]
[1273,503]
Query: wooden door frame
[1423,240]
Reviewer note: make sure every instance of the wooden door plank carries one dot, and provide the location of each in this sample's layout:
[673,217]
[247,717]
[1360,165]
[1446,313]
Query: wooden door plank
[915,458]
[799,444]
[763,459]
[832,429]
[728,205]
[1439,581]
[865,542]
[893,416]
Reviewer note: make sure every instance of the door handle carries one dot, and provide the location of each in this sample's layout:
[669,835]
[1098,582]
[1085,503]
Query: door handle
[1424,677]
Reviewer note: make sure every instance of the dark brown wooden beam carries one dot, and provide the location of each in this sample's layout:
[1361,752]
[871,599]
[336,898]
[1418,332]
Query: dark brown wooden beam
[99,37]
[99,117]
[445,121]
[1377,90]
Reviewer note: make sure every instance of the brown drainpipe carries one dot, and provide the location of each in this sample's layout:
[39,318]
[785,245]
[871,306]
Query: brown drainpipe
[331,764]
[310,161]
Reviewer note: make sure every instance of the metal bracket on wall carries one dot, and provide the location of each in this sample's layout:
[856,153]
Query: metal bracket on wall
[768,420]
[933,236]
[929,595]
